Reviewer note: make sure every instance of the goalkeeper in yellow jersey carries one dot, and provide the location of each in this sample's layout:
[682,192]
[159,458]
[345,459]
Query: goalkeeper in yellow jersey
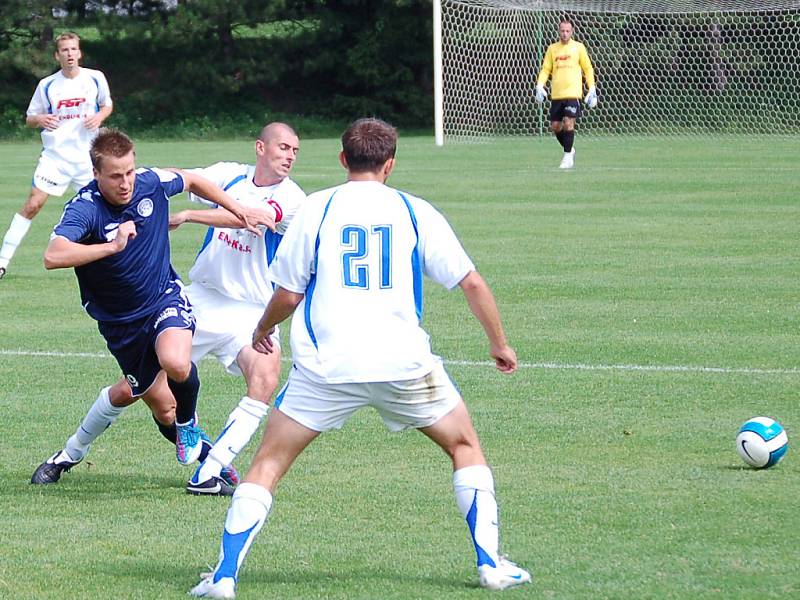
[564,62]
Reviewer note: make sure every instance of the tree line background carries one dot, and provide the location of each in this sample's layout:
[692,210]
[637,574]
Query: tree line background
[202,68]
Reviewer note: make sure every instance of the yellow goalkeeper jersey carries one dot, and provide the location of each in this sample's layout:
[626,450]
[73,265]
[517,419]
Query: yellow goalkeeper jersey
[564,62]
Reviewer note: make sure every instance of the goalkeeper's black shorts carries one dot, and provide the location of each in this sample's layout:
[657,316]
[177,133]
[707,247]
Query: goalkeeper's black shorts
[564,108]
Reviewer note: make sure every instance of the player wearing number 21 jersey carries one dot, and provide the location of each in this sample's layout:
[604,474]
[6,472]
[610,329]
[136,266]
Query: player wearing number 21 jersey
[359,253]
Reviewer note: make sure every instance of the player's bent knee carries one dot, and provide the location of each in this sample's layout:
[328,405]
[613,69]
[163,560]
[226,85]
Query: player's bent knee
[177,370]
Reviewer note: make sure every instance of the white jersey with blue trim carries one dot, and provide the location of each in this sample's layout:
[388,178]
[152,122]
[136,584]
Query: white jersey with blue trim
[71,100]
[358,253]
[234,262]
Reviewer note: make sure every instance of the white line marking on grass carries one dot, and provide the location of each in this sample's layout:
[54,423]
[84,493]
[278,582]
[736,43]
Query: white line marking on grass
[656,368]
[55,354]
[486,363]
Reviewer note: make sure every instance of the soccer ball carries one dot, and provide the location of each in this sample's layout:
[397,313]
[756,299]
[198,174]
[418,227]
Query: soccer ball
[762,442]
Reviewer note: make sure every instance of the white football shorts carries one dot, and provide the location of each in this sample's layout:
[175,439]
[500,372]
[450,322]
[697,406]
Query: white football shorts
[53,175]
[414,403]
[224,326]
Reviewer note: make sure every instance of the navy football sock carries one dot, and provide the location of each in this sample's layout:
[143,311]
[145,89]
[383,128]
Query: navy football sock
[185,393]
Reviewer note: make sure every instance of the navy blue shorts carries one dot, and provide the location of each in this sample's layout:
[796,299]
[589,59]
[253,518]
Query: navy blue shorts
[564,108]
[133,344]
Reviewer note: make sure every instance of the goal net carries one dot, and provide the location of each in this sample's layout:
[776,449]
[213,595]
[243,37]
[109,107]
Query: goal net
[662,67]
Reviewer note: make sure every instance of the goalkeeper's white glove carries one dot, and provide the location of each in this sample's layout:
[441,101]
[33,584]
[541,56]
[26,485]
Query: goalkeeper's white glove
[541,95]
[591,98]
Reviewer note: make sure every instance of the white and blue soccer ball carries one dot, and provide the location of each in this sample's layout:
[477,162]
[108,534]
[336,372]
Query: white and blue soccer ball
[762,442]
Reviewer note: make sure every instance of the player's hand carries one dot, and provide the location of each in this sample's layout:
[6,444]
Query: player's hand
[262,340]
[261,218]
[505,359]
[125,233]
[49,122]
[591,98]
[92,121]
[541,95]
[177,219]
[241,213]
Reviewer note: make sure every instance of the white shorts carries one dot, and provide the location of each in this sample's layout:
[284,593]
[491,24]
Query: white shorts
[224,326]
[54,175]
[402,404]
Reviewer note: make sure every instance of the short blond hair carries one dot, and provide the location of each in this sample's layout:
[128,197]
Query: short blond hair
[67,35]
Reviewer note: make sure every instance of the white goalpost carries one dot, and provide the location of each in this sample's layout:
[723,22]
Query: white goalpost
[680,67]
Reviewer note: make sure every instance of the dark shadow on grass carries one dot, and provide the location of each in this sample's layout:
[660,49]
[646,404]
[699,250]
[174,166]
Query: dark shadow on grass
[258,579]
[739,468]
[83,485]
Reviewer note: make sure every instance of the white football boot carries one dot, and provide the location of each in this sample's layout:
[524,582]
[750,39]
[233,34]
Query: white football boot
[568,160]
[224,588]
[505,575]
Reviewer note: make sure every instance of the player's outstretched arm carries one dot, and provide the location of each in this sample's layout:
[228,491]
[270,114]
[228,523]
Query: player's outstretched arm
[483,306]
[219,217]
[62,253]
[199,185]
[280,307]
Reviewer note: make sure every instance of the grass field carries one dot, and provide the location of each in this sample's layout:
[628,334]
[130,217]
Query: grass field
[653,298]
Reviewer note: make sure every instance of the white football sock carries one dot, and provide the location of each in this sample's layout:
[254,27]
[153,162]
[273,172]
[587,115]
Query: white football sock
[248,512]
[242,423]
[13,238]
[474,487]
[99,418]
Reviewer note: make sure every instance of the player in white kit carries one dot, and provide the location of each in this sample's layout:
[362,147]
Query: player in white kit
[352,265]
[68,106]
[230,288]
[229,292]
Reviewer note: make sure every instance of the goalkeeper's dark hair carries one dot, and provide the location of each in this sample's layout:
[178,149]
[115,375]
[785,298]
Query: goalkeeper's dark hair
[109,143]
[367,144]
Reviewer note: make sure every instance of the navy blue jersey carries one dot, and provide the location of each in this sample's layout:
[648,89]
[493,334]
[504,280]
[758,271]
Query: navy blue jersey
[127,285]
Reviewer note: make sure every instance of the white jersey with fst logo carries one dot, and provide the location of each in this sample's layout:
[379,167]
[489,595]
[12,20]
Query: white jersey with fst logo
[358,253]
[71,100]
[234,262]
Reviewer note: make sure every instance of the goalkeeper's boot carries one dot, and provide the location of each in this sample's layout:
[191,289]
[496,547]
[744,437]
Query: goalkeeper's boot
[208,588]
[50,470]
[505,575]
[189,442]
[2,272]
[568,160]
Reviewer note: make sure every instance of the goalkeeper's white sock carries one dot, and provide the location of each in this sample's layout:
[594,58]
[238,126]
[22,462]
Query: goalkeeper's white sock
[474,488]
[13,238]
[100,417]
[242,423]
[247,514]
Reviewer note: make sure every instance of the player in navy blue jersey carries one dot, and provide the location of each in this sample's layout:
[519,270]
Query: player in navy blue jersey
[115,233]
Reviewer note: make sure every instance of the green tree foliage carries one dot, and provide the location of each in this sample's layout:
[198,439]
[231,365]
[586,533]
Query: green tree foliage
[209,61]
[367,57]
[26,55]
